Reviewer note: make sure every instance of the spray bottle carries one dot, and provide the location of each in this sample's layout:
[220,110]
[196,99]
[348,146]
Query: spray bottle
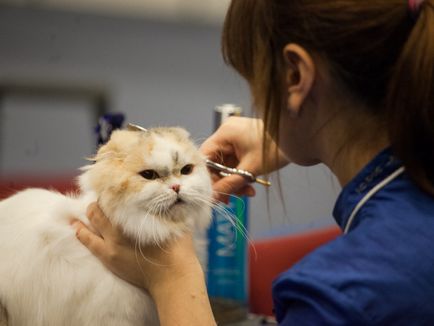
[227,249]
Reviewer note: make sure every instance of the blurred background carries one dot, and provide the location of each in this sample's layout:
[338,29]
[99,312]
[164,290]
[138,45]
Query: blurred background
[64,62]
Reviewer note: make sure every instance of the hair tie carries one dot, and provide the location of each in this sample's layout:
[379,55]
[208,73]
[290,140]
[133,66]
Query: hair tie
[414,7]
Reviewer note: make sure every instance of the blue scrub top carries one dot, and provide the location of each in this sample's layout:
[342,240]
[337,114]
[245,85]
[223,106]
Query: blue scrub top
[381,272]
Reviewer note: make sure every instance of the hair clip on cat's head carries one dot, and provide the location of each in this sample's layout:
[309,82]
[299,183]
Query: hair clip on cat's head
[133,127]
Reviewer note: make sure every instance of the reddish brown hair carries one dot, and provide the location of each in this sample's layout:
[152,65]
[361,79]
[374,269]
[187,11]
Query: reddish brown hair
[381,53]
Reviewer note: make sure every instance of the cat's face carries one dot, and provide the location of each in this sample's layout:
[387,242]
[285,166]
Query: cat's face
[148,182]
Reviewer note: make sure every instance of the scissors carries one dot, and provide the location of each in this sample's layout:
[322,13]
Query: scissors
[223,169]
[226,171]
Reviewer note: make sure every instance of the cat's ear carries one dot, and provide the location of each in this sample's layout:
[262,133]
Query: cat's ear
[180,132]
[107,151]
[117,147]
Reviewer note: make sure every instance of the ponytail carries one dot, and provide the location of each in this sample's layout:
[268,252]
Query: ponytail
[410,101]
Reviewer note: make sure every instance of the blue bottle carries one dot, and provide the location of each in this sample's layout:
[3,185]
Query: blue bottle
[227,243]
[227,253]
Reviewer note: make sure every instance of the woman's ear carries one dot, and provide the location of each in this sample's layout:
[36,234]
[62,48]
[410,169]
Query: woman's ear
[300,76]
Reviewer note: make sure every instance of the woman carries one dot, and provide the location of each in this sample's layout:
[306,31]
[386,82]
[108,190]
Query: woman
[347,83]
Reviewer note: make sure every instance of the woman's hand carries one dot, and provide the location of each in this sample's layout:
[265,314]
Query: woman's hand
[238,143]
[171,273]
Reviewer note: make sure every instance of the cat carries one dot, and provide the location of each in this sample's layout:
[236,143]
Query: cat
[154,185]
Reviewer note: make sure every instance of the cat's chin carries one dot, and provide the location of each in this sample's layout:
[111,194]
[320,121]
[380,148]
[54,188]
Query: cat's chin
[177,211]
[179,202]
[150,228]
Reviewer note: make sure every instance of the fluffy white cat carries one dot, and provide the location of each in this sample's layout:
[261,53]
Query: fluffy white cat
[154,185]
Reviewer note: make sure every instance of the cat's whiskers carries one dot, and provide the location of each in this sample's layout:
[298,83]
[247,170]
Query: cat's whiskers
[164,210]
[154,232]
[158,208]
[161,209]
[137,248]
[237,198]
[156,205]
[138,244]
[157,201]
[202,199]
[198,199]
[155,210]
[238,226]
[156,213]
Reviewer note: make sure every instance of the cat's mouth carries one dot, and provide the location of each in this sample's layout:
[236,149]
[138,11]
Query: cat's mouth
[177,202]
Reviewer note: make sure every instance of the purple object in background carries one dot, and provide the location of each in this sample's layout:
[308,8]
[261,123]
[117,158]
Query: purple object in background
[106,125]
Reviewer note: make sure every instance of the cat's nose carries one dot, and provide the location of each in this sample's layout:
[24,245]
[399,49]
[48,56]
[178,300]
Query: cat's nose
[176,188]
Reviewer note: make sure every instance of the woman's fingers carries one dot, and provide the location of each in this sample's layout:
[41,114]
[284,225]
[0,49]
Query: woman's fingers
[100,222]
[232,185]
[92,241]
[229,185]
[216,147]
[99,241]
[248,191]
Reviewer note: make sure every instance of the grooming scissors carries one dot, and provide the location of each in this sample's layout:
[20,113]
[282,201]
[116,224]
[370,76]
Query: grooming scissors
[223,169]
[226,171]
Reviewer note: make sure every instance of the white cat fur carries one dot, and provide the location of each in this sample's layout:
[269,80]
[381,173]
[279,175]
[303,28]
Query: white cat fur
[48,278]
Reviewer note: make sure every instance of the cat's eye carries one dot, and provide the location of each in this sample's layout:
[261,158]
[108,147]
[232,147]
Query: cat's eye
[187,169]
[149,174]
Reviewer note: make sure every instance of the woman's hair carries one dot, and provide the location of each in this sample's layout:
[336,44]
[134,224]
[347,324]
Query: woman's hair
[380,51]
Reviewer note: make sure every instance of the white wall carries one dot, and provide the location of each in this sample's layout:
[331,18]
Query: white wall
[157,73]
[209,11]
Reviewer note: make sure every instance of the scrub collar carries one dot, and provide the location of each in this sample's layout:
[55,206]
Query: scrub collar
[376,171]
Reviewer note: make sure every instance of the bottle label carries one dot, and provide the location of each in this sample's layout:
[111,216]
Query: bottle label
[227,267]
